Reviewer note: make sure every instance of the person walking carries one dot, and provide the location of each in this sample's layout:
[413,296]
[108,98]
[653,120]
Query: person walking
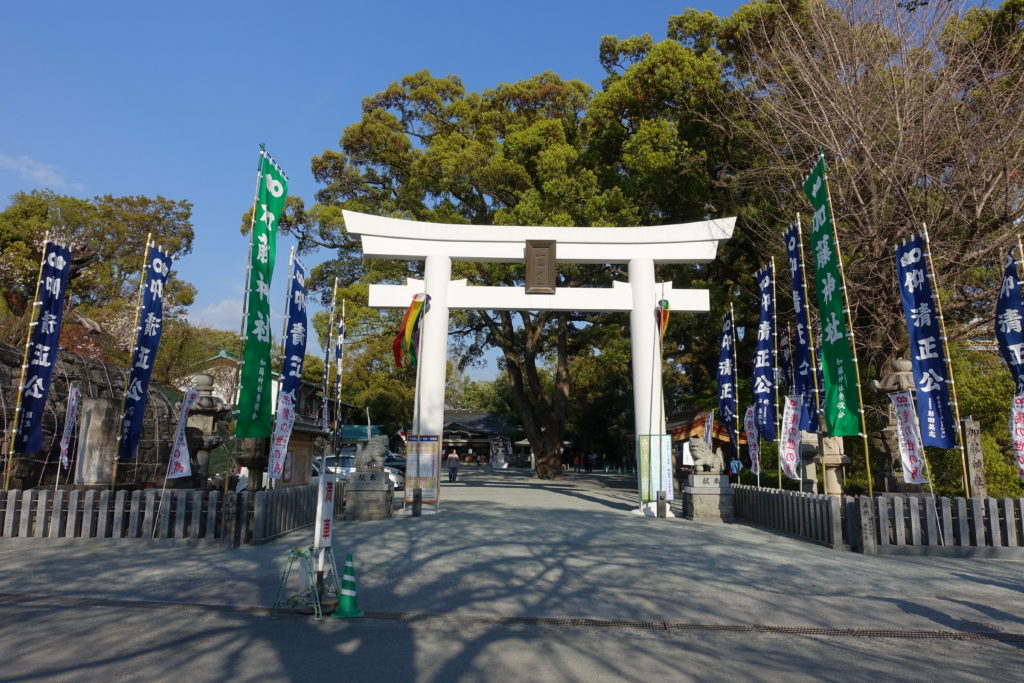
[735,467]
[453,465]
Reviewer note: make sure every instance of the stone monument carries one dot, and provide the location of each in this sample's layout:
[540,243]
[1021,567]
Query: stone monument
[707,494]
[203,417]
[885,442]
[369,493]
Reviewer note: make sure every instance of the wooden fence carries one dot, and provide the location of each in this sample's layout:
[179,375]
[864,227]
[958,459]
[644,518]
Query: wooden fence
[898,525]
[812,516]
[968,527]
[191,516]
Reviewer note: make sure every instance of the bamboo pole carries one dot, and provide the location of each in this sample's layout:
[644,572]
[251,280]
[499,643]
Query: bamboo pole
[736,381]
[24,366]
[819,413]
[245,309]
[284,330]
[287,308]
[135,348]
[949,361]
[849,333]
[339,354]
[775,369]
[417,427]
[327,375]
[807,322]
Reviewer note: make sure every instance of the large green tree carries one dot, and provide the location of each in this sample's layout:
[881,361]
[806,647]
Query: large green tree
[535,152]
[107,236]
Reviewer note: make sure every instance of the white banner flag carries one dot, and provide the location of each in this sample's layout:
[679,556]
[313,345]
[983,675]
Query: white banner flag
[911,450]
[753,444]
[790,453]
[323,532]
[282,433]
[74,396]
[180,464]
[1017,432]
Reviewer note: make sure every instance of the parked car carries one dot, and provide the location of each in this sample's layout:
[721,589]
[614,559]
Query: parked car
[395,461]
[344,465]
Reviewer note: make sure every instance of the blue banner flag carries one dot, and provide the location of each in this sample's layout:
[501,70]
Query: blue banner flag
[786,361]
[1009,314]
[764,356]
[727,379]
[147,340]
[295,334]
[931,371]
[339,347]
[328,361]
[44,341]
[803,363]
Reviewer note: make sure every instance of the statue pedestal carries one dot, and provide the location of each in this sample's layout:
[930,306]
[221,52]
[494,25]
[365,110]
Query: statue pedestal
[369,494]
[708,496]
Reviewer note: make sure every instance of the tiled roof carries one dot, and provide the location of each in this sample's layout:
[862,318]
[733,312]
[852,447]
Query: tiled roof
[478,422]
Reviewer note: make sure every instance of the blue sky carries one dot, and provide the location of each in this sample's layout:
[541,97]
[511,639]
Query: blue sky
[173,99]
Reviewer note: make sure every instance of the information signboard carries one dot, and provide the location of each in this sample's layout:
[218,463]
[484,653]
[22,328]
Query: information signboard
[423,466]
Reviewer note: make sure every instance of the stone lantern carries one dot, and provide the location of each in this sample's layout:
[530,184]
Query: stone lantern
[203,417]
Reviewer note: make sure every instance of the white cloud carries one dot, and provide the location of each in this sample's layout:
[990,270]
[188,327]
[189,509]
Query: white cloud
[43,175]
[223,315]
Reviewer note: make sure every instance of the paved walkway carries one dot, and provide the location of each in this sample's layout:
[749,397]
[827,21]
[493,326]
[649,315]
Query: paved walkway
[520,579]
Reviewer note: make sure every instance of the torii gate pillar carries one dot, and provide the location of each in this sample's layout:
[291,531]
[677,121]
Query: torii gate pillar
[433,359]
[648,400]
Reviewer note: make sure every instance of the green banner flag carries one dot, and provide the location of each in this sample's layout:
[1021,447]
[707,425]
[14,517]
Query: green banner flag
[842,409]
[255,418]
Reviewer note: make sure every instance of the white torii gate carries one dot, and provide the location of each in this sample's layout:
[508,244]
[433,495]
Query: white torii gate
[439,244]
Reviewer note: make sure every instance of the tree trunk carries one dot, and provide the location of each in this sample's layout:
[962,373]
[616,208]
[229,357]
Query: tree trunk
[549,464]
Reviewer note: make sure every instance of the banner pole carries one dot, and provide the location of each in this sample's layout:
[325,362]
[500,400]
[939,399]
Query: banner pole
[819,412]
[736,375]
[284,332]
[928,469]
[850,335]
[245,313]
[24,365]
[338,360]
[287,307]
[937,300]
[819,416]
[135,346]
[775,370]
[655,364]
[332,440]
[56,480]
[417,427]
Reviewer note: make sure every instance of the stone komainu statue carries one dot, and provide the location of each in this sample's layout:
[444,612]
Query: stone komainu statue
[704,459]
[372,454]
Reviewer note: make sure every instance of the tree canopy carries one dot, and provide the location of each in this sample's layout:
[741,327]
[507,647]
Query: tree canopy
[916,107]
